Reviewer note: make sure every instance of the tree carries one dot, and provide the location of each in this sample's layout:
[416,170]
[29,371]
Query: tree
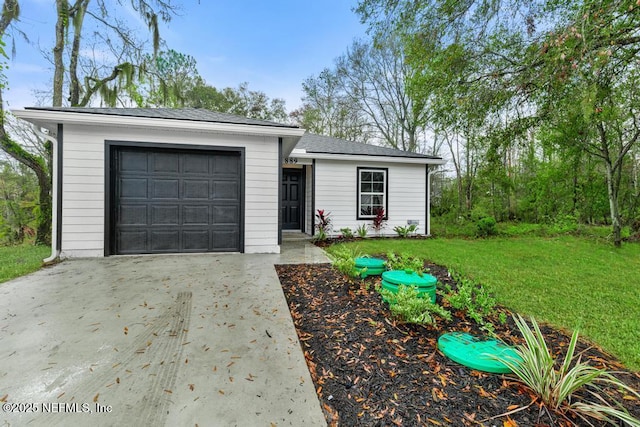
[82,78]
[569,64]
[328,110]
[375,77]
[108,80]
[240,101]
[168,79]
[18,202]
[37,163]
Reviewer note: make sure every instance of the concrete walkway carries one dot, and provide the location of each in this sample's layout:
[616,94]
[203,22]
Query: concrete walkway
[179,340]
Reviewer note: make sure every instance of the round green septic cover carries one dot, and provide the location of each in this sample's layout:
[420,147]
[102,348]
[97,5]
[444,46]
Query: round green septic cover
[475,352]
[369,262]
[408,278]
[370,266]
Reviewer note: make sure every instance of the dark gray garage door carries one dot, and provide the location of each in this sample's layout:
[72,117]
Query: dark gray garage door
[167,201]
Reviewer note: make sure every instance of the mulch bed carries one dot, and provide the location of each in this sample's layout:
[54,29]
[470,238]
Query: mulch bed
[371,370]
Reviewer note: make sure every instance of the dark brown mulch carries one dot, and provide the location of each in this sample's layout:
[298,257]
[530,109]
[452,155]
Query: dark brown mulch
[370,370]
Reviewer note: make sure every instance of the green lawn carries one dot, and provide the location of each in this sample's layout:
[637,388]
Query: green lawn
[17,261]
[567,281]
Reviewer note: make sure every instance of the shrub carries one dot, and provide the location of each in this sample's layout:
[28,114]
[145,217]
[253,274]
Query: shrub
[472,299]
[346,233]
[379,221]
[343,259]
[361,230]
[486,227]
[405,262]
[411,308]
[405,231]
[563,224]
[323,224]
[556,387]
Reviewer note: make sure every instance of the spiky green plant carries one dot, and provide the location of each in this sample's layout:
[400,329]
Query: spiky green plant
[361,230]
[556,387]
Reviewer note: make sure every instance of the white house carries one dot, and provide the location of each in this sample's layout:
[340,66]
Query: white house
[132,181]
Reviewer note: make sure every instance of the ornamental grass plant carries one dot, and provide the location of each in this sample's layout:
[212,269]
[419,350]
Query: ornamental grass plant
[556,387]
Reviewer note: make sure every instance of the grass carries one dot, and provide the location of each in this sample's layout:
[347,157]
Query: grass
[568,281]
[17,261]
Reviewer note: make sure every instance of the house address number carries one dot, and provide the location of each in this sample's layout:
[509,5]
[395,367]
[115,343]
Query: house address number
[290,160]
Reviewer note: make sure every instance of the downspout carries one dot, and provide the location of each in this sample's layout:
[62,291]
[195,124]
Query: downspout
[280,162]
[56,202]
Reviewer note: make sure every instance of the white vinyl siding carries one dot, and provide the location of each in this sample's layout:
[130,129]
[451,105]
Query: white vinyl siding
[337,192]
[83,233]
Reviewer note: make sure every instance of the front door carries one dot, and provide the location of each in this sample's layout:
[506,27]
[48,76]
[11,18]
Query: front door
[291,199]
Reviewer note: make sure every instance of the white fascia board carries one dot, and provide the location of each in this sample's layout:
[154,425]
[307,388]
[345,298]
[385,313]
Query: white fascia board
[50,119]
[362,158]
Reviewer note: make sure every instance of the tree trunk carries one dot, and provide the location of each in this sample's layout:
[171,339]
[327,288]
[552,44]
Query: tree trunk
[39,166]
[612,192]
[62,7]
[43,233]
[79,11]
[10,11]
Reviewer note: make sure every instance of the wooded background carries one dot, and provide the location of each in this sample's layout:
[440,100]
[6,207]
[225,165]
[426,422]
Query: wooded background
[534,103]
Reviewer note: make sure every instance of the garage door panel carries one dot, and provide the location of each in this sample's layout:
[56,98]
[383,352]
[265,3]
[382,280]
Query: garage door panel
[133,161]
[225,190]
[226,166]
[132,242]
[197,164]
[165,241]
[196,241]
[165,188]
[224,240]
[133,215]
[195,215]
[176,200]
[196,189]
[133,188]
[165,162]
[225,215]
[165,214]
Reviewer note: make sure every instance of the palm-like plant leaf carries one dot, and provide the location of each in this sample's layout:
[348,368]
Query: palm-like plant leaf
[556,387]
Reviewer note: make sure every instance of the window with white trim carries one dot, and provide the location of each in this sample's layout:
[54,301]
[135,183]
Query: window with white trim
[372,192]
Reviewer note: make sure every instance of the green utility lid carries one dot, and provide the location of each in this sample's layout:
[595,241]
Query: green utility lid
[366,262]
[408,278]
[475,352]
[366,266]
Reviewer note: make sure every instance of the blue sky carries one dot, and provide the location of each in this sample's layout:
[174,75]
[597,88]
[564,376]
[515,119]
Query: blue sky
[271,44]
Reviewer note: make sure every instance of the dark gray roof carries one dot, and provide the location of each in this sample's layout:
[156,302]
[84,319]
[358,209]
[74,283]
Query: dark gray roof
[327,145]
[191,114]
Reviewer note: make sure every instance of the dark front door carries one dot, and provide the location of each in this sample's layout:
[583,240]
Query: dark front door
[291,199]
[169,200]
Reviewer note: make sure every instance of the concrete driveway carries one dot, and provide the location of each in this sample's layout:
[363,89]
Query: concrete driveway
[179,340]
